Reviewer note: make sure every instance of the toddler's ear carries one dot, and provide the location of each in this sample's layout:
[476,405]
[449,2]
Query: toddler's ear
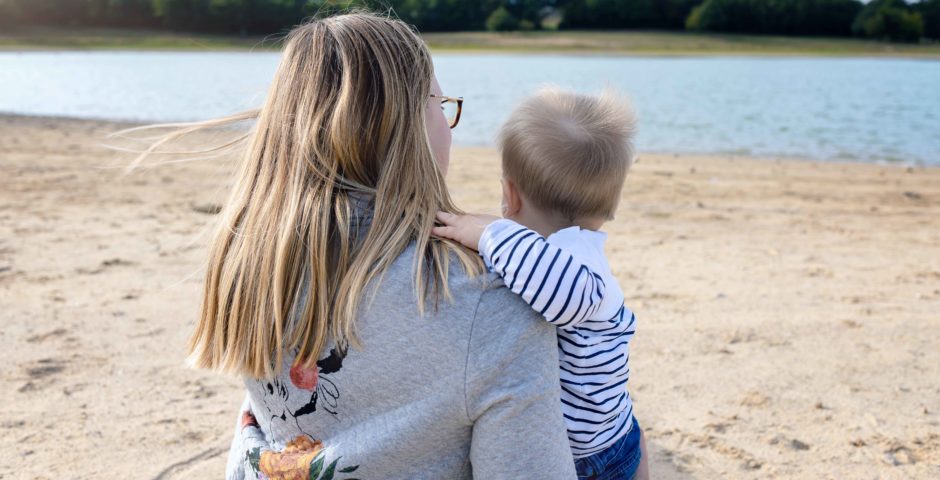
[512,200]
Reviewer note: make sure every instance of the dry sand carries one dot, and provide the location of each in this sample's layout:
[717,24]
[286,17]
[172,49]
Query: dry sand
[790,312]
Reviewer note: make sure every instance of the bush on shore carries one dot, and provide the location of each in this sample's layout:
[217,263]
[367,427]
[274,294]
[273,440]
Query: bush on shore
[890,20]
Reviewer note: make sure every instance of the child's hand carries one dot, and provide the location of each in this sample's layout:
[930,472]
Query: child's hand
[248,419]
[466,229]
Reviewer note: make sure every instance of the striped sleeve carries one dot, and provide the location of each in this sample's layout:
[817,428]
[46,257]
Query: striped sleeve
[564,290]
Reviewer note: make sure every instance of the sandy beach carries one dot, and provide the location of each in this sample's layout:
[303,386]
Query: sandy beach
[789,311]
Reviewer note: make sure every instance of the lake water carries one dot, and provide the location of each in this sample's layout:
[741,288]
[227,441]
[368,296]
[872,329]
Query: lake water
[872,110]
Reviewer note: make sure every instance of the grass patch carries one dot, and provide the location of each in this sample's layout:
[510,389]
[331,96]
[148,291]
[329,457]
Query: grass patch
[41,38]
[606,42]
[672,43]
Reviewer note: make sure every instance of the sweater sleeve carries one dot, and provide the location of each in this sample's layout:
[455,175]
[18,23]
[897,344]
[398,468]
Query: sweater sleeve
[551,279]
[235,467]
[512,393]
[247,443]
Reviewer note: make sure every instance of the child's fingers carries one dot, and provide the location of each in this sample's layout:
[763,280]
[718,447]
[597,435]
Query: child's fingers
[444,232]
[248,419]
[446,218]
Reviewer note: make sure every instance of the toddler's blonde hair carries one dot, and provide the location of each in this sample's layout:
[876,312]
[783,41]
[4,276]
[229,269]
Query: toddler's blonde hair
[569,152]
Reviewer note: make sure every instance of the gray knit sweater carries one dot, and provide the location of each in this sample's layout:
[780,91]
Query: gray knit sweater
[467,391]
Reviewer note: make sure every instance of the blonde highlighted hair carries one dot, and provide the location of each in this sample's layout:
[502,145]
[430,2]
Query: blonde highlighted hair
[569,152]
[344,120]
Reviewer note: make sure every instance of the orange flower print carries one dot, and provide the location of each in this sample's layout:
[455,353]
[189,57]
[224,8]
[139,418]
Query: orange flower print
[302,459]
[293,463]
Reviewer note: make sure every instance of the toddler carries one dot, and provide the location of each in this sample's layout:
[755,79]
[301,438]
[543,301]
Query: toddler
[565,157]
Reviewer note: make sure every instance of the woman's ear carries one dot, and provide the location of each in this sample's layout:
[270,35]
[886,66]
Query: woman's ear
[512,201]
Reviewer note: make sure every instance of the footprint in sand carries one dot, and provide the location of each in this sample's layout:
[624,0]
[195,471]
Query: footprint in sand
[104,265]
[151,333]
[42,337]
[755,399]
[39,373]
[44,368]
[11,424]
[792,443]
[206,208]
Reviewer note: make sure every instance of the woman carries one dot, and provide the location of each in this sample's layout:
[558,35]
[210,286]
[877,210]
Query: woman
[368,348]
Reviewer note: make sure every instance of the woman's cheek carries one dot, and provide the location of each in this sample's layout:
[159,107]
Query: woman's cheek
[440,137]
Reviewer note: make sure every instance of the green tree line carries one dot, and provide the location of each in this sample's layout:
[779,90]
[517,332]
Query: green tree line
[894,20]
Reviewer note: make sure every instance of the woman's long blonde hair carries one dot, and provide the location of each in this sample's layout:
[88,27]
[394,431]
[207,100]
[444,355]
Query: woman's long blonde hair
[344,117]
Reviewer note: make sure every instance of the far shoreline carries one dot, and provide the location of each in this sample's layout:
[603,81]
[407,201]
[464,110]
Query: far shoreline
[544,53]
[623,43]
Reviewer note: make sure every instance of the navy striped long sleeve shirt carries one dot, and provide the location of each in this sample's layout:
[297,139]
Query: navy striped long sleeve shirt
[567,279]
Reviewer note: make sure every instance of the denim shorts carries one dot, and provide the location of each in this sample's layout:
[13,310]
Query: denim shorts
[618,461]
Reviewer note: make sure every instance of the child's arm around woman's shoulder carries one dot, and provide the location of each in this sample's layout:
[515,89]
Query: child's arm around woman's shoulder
[554,280]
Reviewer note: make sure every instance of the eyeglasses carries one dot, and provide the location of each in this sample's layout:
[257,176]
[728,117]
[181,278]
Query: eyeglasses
[451,106]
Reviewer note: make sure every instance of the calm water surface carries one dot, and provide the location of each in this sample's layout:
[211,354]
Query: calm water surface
[878,110]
